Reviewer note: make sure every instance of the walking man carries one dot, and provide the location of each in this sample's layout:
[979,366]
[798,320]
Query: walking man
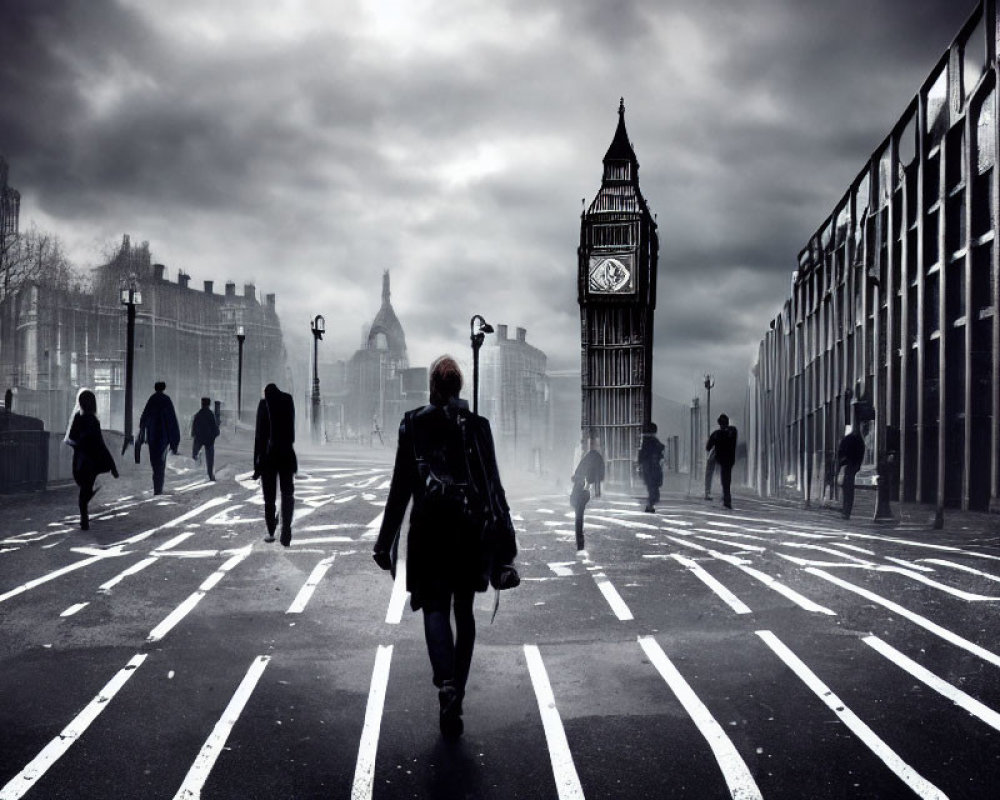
[850,455]
[274,460]
[723,441]
[204,430]
[159,429]
[650,463]
[589,473]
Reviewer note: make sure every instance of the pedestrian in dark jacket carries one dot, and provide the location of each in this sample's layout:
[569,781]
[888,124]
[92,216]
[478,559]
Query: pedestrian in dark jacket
[90,455]
[159,429]
[586,477]
[204,431]
[650,462]
[274,459]
[723,441]
[444,450]
[850,456]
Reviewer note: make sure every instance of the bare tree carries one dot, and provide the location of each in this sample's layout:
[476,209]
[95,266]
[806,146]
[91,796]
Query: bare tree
[38,256]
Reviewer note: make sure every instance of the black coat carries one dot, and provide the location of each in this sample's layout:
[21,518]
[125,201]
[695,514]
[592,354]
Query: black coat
[204,428]
[158,424]
[590,468]
[274,434]
[90,455]
[851,452]
[440,557]
[724,442]
[650,458]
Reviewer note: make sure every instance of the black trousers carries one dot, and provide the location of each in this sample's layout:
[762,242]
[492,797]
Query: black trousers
[848,489]
[158,461]
[726,478]
[85,480]
[450,653]
[209,456]
[270,479]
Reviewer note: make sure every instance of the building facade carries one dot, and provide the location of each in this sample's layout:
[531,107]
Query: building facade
[617,263]
[55,341]
[514,396]
[891,321]
[10,213]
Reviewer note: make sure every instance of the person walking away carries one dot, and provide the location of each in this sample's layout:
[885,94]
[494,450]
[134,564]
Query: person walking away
[90,454]
[850,456]
[723,441]
[588,475]
[159,429]
[445,458]
[274,459]
[204,432]
[650,463]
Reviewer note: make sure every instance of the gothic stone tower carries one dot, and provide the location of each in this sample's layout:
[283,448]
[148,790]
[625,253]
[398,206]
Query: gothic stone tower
[617,295]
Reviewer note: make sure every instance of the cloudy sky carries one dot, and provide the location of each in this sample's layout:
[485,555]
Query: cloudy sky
[308,146]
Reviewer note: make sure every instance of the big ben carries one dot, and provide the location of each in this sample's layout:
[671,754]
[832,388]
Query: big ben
[617,261]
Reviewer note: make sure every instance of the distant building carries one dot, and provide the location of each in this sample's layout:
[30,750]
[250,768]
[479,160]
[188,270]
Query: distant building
[617,263]
[891,323]
[57,341]
[10,212]
[514,396]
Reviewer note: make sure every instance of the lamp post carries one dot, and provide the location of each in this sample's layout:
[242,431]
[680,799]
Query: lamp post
[477,338]
[240,337]
[130,297]
[710,458]
[318,328]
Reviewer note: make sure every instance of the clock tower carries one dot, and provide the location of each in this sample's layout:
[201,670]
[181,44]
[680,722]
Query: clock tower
[617,261]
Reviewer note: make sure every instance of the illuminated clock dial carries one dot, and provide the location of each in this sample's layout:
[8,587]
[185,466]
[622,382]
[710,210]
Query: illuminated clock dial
[611,274]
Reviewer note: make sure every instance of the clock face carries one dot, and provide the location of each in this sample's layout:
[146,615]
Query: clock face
[612,274]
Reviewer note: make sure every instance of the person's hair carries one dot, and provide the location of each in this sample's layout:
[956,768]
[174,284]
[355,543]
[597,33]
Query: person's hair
[650,427]
[445,380]
[159,386]
[723,419]
[87,401]
[206,402]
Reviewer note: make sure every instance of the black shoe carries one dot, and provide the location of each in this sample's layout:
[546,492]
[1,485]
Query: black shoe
[84,525]
[269,536]
[649,510]
[451,710]
[728,505]
[286,537]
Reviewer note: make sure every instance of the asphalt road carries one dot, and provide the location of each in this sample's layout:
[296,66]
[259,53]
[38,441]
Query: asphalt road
[169,652]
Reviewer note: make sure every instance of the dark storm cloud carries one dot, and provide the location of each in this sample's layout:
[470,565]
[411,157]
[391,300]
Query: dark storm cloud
[452,144]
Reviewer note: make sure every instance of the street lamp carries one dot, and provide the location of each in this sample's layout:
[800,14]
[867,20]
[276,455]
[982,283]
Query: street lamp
[130,297]
[710,459]
[318,328]
[477,338]
[240,337]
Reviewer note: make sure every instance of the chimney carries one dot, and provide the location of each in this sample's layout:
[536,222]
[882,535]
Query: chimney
[182,279]
[501,333]
[208,287]
[520,334]
[270,301]
[158,272]
[250,291]
[230,289]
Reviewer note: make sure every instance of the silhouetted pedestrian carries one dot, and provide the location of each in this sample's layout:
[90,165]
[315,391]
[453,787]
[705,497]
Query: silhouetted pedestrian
[723,441]
[91,456]
[204,431]
[650,462]
[159,429]
[274,459]
[850,456]
[445,461]
[709,473]
[588,475]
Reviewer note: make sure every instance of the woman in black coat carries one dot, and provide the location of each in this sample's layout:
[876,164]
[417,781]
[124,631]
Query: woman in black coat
[443,450]
[90,455]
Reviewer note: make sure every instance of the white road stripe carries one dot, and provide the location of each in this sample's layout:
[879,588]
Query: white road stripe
[920,785]
[563,769]
[942,687]
[130,571]
[194,782]
[916,576]
[170,544]
[54,750]
[771,583]
[192,600]
[756,548]
[69,612]
[942,563]
[724,594]
[397,600]
[737,775]
[302,598]
[215,501]
[24,587]
[611,595]
[923,622]
[364,771]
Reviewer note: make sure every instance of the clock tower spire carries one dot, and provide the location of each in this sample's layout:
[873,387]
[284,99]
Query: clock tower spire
[616,281]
